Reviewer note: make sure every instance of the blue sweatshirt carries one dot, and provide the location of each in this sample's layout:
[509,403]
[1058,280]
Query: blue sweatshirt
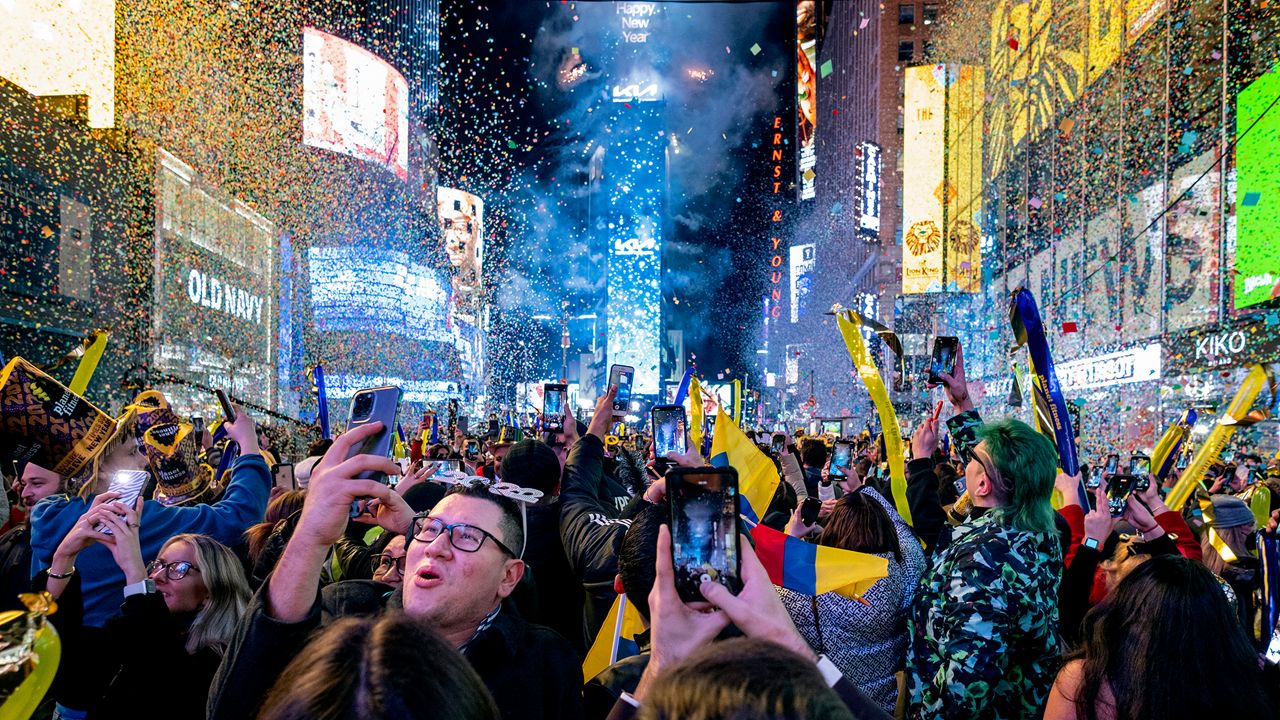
[102,581]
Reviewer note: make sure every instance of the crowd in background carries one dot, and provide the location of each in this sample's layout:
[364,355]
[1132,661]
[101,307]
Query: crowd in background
[229,593]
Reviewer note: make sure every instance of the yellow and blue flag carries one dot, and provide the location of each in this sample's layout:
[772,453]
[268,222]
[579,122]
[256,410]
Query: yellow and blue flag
[757,476]
[812,569]
[616,639]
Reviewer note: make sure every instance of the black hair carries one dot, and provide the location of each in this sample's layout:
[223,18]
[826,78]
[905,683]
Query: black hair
[382,667]
[511,526]
[813,452]
[1166,644]
[319,447]
[638,555]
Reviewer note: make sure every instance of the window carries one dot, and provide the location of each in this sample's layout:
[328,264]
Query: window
[906,50]
[930,13]
[906,14]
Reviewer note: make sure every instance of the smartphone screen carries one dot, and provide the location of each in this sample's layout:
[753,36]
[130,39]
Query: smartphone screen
[779,443]
[831,427]
[1184,459]
[622,376]
[944,358]
[809,510]
[669,430]
[473,447]
[197,427]
[371,405]
[1091,479]
[462,424]
[283,475]
[704,529]
[1113,465]
[1139,465]
[130,484]
[841,458]
[553,399]
[1119,488]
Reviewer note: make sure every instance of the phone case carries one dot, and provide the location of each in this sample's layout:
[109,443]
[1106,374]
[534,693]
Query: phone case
[385,405]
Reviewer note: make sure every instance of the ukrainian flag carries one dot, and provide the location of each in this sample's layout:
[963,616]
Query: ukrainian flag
[757,477]
[811,569]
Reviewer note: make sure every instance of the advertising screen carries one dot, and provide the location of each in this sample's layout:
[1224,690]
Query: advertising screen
[867,173]
[806,95]
[802,262]
[922,178]
[363,289]
[963,219]
[214,295]
[354,102]
[53,47]
[461,217]
[1192,255]
[1257,204]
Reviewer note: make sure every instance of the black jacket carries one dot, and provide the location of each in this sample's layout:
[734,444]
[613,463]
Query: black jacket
[116,670]
[557,589]
[602,692]
[532,673]
[15,566]
[591,527]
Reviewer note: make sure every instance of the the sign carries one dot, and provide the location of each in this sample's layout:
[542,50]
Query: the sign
[773,302]
[802,263]
[1257,204]
[635,92]
[806,96]
[866,164]
[922,179]
[634,19]
[1219,346]
[1138,364]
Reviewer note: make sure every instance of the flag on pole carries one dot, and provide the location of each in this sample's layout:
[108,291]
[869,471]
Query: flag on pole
[616,639]
[757,476]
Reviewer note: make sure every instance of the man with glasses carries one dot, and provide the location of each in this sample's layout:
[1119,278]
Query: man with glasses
[984,627]
[462,560]
[388,566]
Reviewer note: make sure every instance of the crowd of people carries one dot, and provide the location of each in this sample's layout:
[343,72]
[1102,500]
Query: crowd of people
[445,594]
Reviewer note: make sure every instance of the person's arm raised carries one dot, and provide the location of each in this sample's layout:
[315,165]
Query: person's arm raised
[292,588]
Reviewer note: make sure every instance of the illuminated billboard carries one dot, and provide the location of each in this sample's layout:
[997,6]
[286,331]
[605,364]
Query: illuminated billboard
[354,102]
[461,217]
[922,178]
[962,271]
[866,167]
[364,289]
[1257,264]
[806,96]
[214,294]
[52,47]
[802,263]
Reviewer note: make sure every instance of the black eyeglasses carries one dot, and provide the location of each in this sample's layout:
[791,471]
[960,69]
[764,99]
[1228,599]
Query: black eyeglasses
[174,570]
[383,563]
[464,537]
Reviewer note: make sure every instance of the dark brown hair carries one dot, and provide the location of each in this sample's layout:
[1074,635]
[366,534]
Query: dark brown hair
[743,679]
[860,524]
[280,507]
[378,668]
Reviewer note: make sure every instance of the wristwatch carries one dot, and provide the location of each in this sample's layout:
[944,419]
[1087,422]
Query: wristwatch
[1091,543]
[140,588]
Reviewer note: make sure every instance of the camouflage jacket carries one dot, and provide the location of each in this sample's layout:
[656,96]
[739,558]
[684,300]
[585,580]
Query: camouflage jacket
[984,629]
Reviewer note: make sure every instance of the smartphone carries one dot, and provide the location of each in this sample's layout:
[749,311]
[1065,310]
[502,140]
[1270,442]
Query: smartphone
[779,443]
[1113,465]
[1119,488]
[809,510]
[944,358]
[841,458]
[1092,481]
[197,427]
[371,405]
[462,425]
[1073,412]
[283,474]
[1140,467]
[704,529]
[227,411]
[450,465]
[494,427]
[553,399]
[130,484]
[473,446]
[669,430]
[622,376]
[1184,459]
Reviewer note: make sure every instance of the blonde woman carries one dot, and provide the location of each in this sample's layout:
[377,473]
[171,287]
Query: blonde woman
[178,615]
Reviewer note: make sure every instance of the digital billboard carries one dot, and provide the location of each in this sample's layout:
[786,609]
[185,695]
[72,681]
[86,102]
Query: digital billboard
[963,168]
[354,102]
[365,289]
[806,96]
[866,164]
[802,263]
[214,296]
[1257,264]
[1192,257]
[53,47]
[461,216]
[922,178]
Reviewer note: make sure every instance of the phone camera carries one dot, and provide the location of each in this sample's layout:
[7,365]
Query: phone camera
[362,407]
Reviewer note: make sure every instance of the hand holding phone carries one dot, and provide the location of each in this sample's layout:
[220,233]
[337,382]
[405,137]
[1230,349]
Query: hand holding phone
[368,406]
[1119,488]
[809,511]
[554,397]
[944,358]
[228,411]
[621,376]
[669,430]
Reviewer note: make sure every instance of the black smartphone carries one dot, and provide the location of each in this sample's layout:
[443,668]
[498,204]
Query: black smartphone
[779,443]
[1140,467]
[283,475]
[554,396]
[1119,488]
[809,510]
[473,447]
[1113,465]
[704,529]
[669,430]
[1184,459]
[371,405]
[227,411]
[197,427]
[841,458]
[944,358]
[622,376]
[1092,480]
[495,428]
[462,425]
[1073,412]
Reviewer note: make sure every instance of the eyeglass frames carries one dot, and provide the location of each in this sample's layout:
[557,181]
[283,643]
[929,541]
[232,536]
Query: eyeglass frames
[174,571]
[464,537]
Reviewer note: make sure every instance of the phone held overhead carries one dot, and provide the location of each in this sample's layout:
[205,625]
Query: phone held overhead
[704,529]
[622,377]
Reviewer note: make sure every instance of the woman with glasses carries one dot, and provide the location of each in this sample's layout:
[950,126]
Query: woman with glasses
[178,615]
